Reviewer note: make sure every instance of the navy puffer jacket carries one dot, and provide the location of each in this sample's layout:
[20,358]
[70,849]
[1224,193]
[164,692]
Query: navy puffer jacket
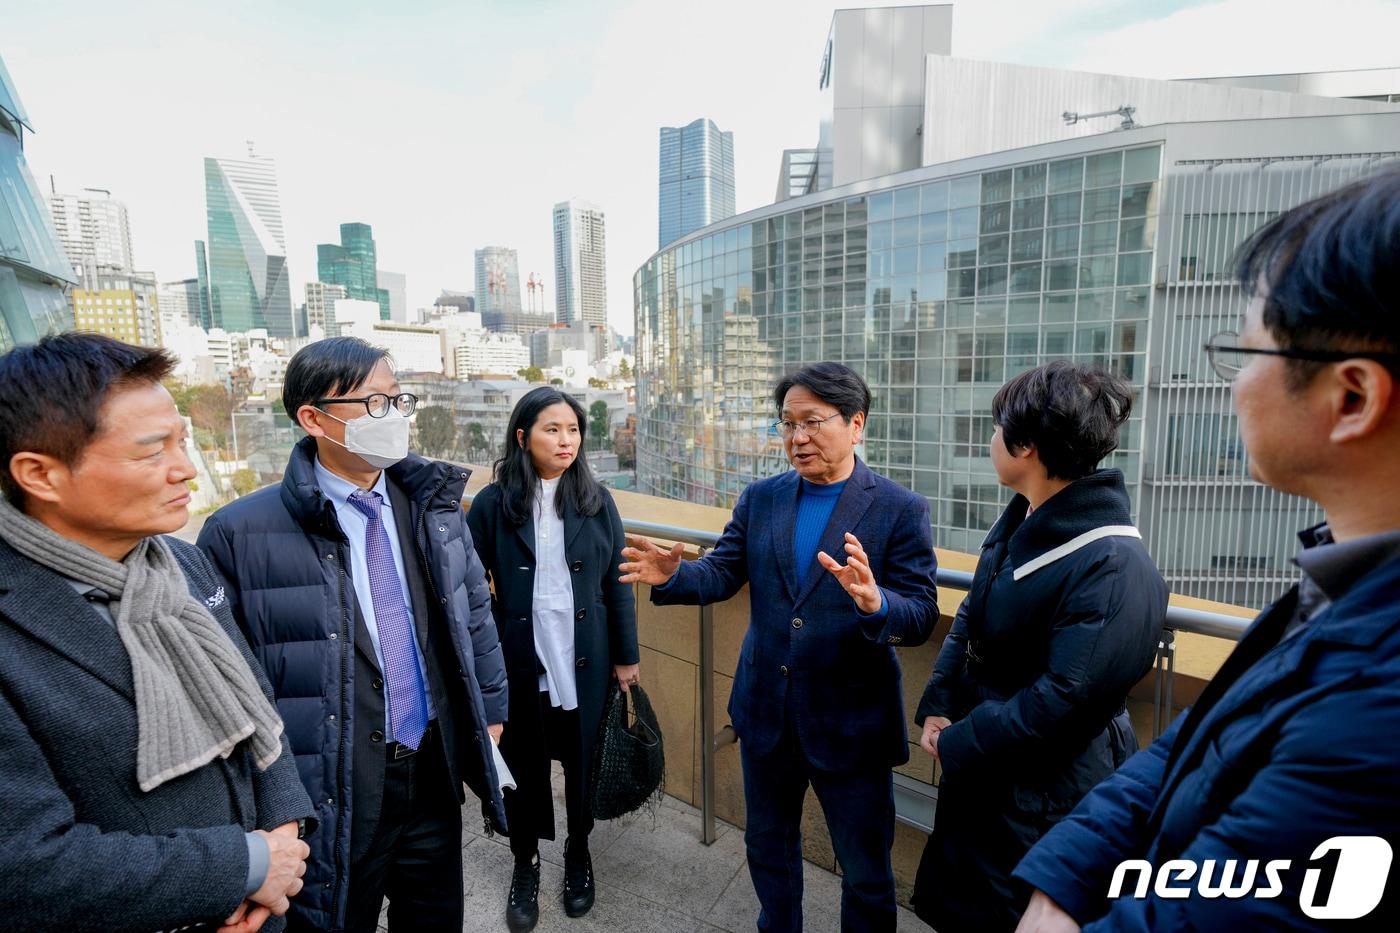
[281,552]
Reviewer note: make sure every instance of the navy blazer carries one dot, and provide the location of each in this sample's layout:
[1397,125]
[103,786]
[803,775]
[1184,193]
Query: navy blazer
[808,649]
[1291,743]
[84,847]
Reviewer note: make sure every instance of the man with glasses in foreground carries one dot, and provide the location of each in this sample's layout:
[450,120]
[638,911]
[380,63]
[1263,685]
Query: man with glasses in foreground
[357,585]
[1282,782]
[840,567]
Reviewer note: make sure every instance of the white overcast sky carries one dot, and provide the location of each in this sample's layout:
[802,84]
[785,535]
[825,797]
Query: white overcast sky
[453,125]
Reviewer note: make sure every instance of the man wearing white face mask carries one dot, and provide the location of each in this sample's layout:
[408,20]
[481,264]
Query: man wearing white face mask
[359,590]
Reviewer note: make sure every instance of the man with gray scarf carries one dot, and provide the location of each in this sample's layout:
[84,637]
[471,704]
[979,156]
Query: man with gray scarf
[145,783]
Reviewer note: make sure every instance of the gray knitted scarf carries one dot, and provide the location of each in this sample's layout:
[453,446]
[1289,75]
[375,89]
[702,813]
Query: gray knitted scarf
[195,696]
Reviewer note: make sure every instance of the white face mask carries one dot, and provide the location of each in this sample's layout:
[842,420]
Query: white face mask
[380,442]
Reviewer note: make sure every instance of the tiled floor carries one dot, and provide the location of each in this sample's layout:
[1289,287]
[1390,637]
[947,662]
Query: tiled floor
[653,874]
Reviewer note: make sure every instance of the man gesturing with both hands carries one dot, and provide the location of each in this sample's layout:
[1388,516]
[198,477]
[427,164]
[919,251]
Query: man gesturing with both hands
[816,698]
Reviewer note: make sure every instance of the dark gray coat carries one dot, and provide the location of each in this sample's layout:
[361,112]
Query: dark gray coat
[84,848]
[605,629]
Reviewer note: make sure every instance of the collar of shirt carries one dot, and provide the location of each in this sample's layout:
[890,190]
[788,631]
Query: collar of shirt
[339,489]
[96,597]
[1335,567]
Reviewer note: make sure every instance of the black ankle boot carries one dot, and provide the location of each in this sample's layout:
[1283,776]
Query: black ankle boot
[578,878]
[523,906]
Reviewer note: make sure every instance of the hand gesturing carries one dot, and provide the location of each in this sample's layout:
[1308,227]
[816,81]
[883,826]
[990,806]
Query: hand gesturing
[648,563]
[855,577]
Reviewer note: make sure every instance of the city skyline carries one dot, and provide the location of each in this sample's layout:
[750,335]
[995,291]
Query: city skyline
[432,176]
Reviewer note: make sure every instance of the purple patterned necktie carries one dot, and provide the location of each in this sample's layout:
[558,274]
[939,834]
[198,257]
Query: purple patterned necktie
[408,707]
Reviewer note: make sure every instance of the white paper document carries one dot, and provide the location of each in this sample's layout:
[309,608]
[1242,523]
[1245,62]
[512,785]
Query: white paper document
[503,775]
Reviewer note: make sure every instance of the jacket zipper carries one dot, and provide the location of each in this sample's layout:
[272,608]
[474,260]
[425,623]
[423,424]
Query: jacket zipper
[432,588]
[341,802]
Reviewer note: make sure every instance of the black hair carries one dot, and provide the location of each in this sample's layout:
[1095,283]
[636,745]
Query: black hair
[1069,414]
[1330,272]
[52,392]
[837,385]
[327,368]
[515,471]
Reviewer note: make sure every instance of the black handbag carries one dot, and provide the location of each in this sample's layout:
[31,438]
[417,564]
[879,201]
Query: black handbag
[629,766]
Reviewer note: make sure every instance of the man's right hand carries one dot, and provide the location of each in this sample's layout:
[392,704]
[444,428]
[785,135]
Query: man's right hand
[648,563]
[286,865]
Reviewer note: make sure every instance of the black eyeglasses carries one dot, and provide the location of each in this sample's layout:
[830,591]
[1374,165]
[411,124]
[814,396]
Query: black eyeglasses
[378,404]
[1227,357]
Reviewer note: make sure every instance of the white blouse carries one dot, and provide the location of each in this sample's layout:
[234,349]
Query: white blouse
[553,602]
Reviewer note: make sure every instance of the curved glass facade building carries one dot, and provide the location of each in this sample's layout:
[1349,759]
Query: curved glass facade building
[959,222]
[34,271]
[936,290]
[940,283]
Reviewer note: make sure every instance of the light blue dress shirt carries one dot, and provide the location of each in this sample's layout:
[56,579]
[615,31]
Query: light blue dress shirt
[354,522]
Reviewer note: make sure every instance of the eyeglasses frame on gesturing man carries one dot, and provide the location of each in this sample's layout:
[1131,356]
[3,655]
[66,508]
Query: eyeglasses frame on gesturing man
[811,427]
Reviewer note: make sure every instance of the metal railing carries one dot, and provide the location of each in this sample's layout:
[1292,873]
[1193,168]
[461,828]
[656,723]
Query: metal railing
[914,799]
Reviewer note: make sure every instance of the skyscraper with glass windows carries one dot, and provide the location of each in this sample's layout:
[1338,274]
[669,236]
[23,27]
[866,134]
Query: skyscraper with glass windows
[247,252]
[353,264]
[34,271]
[697,178]
[580,263]
[939,282]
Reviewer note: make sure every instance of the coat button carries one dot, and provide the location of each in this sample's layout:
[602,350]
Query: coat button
[331,718]
[442,527]
[582,662]
[333,636]
[330,557]
[378,683]
[376,736]
[796,623]
[580,614]
[444,600]
[522,619]
[576,566]
[782,669]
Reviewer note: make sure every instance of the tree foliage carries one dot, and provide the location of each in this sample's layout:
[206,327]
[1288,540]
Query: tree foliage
[531,374]
[244,481]
[437,432]
[598,426]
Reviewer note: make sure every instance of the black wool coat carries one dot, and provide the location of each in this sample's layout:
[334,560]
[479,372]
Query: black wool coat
[1063,618]
[605,631]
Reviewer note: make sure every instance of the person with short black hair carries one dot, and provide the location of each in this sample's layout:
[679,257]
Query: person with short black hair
[817,700]
[549,535]
[358,587]
[145,780]
[1289,756]
[1024,711]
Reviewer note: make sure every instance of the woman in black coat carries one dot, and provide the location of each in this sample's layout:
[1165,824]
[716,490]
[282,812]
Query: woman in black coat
[550,538]
[1025,708]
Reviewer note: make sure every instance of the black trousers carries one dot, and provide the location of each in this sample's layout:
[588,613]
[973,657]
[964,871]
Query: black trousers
[415,856]
[561,739]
